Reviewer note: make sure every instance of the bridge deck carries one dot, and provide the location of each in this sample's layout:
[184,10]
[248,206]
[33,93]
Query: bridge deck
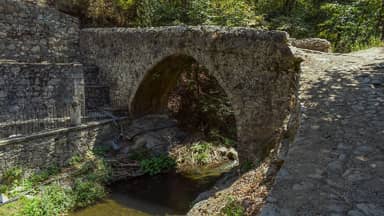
[336,166]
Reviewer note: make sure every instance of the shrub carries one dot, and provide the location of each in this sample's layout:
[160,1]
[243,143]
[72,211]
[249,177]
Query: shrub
[32,207]
[3,189]
[201,152]
[12,175]
[101,151]
[101,171]
[157,164]
[54,200]
[85,167]
[75,160]
[43,175]
[86,193]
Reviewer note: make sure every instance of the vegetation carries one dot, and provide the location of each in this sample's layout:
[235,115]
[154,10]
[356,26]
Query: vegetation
[44,175]
[12,176]
[203,157]
[58,200]
[53,200]
[156,164]
[151,163]
[101,151]
[352,25]
[86,193]
[233,208]
[50,193]
[11,209]
[202,106]
[348,24]
[13,183]
[201,152]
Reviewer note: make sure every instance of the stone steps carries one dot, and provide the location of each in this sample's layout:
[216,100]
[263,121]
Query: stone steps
[96,94]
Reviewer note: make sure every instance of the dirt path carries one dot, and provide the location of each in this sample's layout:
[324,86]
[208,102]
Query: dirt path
[336,165]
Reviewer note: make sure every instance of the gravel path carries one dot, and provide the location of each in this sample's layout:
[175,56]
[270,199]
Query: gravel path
[336,165]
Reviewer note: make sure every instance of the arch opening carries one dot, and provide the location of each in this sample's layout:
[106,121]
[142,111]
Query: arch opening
[185,90]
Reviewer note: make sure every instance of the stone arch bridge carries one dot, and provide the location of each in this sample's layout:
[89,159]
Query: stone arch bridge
[256,69]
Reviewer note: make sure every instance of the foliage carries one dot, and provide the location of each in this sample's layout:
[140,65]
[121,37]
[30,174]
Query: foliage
[3,189]
[157,164]
[232,13]
[54,200]
[233,208]
[14,184]
[201,152]
[125,4]
[201,105]
[75,160]
[163,12]
[101,171]
[202,156]
[196,12]
[86,193]
[373,42]
[12,176]
[101,151]
[10,179]
[11,209]
[92,168]
[349,24]
[44,174]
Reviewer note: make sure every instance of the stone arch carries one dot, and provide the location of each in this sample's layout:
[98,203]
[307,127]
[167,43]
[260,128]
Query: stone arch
[151,93]
[257,70]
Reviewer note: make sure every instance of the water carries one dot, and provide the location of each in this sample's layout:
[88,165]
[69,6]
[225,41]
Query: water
[109,207]
[166,194]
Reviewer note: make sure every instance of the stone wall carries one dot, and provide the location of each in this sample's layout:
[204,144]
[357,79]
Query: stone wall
[35,33]
[49,148]
[256,69]
[25,87]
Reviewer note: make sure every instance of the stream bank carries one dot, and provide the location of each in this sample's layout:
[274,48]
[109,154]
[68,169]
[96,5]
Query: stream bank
[165,194]
[158,169]
[192,166]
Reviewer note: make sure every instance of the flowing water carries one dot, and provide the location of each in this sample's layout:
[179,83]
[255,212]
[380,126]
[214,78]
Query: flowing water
[166,194]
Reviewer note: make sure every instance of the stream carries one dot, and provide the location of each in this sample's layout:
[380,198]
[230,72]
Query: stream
[166,194]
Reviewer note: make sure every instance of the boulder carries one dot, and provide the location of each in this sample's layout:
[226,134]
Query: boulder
[316,44]
[154,132]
